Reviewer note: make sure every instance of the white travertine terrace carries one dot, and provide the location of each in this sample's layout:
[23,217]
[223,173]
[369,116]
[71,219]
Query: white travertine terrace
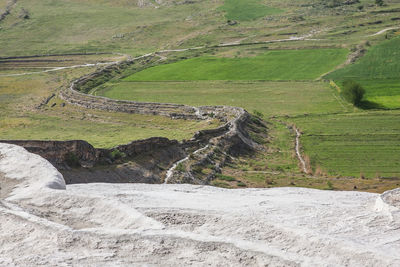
[169,225]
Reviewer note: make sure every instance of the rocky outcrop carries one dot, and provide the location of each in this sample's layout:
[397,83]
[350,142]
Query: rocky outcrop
[139,161]
[389,203]
[391,199]
[218,145]
[60,153]
[79,153]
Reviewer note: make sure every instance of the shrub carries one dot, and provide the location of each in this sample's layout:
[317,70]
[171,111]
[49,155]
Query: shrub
[353,92]
[220,184]
[180,167]
[116,154]
[379,2]
[241,184]
[225,177]
[72,160]
[198,169]
[329,186]
[258,113]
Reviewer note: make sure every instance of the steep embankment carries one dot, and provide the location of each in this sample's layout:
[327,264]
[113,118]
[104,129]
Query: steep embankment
[169,225]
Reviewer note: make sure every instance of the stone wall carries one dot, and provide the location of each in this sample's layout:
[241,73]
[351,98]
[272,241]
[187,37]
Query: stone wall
[75,95]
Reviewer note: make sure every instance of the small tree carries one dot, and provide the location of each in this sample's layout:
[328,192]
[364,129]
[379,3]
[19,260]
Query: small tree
[379,2]
[353,92]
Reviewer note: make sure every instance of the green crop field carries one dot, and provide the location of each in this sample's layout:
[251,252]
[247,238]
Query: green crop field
[273,65]
[384,92]
[270,98]
[353,144]
[244,10]
[379,73]
[380,62]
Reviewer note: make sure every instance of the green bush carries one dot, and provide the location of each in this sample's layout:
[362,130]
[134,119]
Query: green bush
[72,160]
[329,186]
[198,169]
[258,113]
[116,154]
[180,167]
[225,177]
[353,92]
[220,184]
[241,184]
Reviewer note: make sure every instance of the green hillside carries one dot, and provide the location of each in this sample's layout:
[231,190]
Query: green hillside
[379,73]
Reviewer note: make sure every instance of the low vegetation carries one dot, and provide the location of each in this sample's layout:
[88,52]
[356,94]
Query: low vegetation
[273,65]
[353,144]
[245,10]
[269,98]
[378,72]
[21,119]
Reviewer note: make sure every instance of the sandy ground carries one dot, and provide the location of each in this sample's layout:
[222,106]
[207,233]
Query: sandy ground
[170,225]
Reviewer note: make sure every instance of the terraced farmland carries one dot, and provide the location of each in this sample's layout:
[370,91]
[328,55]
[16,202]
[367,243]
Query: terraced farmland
[363,144]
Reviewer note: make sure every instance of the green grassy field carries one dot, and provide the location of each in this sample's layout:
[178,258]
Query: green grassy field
[94,127]
[19,118]
[379,73]
[270,98]
[82,26]
[273,65]
[385,92]
[244,10]
[353,144]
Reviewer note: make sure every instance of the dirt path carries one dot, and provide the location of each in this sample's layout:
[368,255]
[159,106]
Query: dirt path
[383,31]
[58,69]
[235,43]
[298,153]
[171,170]
[158,53]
